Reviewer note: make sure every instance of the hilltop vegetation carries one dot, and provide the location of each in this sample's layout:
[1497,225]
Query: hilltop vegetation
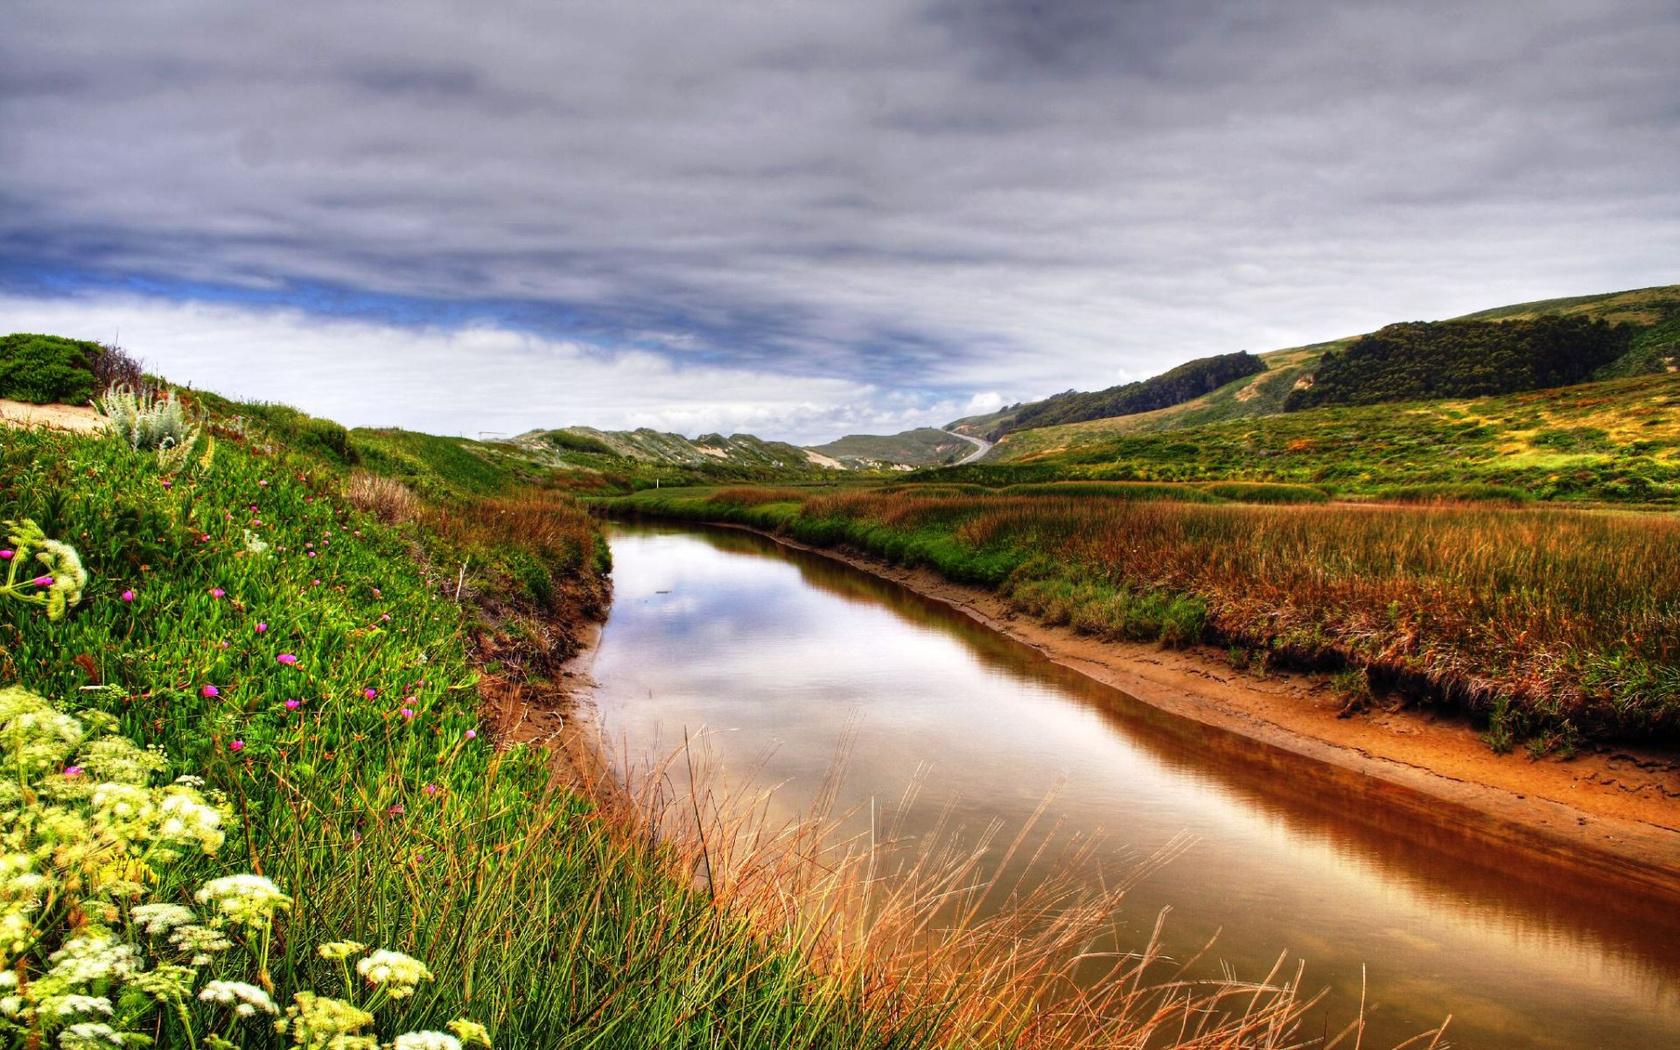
[1456,359]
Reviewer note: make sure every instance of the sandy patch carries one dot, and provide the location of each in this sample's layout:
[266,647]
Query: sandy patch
[78,419]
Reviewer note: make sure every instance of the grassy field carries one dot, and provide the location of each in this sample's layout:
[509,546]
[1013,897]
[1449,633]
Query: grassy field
[1550,625]
[1617,440]
[308,620]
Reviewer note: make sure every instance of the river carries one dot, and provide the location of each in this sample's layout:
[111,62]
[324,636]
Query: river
[780,659]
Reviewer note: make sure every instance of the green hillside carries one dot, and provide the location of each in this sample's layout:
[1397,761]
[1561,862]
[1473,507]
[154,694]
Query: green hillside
[1616,440]
[1653,349]
[923,447]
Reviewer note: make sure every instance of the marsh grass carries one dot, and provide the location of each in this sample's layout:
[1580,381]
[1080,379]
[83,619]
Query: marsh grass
[1548,621]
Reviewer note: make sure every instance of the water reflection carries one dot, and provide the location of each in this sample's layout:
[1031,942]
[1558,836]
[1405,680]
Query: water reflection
[785,655]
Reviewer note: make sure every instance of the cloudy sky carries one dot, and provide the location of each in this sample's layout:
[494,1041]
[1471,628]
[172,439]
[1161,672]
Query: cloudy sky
[806,218]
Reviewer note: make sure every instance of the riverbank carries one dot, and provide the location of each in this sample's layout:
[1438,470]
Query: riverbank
[1611,811]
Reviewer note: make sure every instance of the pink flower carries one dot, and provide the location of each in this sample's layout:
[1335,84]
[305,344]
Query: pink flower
[128,596]
[262,484]
[168,484]
[384,616]
[6,555]
[237,745]
[72,771]
[309,499]
[293,705]
[397,810]
[370,692]
[408,712]
[312,554]
[261,627]
[221,645]
[209,691]
[472,734]
[316,583]
[376,593]
[204,538]
[286,658]
[42,581]
[430,789]
[216,592]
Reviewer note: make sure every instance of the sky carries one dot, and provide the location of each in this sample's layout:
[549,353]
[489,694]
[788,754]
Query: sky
[803,219]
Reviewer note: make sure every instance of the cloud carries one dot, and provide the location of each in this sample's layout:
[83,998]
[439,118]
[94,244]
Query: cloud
[466,380]
[956,196]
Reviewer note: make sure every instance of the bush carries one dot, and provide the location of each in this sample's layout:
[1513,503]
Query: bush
[145,421]
[387,499]
[113,367]
[43,369]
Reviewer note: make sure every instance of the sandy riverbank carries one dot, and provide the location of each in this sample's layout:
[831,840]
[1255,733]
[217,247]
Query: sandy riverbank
[1612,812]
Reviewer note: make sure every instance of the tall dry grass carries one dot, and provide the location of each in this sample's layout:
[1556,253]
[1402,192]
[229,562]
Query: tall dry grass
[928,929]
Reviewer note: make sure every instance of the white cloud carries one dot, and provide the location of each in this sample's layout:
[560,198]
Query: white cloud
[466,380]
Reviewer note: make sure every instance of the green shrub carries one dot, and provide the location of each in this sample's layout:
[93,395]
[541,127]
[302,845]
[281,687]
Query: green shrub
[42,369]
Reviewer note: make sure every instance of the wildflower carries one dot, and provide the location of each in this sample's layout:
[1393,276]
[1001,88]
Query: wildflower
[408,712]
[340,950]
[90,958]
[249,900]
[42,581]
[426,1040]
[472,734]
[430,789]
[216,592]
[262,627]
[397,973]
[168,484]
[200,942]
[72,771]
[161,918]
[209,692]
[128,596]
[397,810]
[76,1005]
[293,705]
[237,745]
[384,616]
[262,484]
[286,658]
[312,554]
[370,692]
[89,1036]
[469,1031]
[318,1021]
[7,555]
[246,999]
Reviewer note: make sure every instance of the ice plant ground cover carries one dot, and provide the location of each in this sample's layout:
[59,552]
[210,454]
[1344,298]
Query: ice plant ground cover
[355,780]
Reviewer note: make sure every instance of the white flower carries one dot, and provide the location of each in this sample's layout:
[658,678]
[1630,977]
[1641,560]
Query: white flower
[249,900]
[89,1036]
[84,960]
[246,999]
[426,1041]
[189,821]
[399,974]
[199,942]
[341,949]
[76,1005]
[161,918]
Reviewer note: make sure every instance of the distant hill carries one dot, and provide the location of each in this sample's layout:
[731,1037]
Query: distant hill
[1184,383]
[923,447]
[1653,347]
[739,456]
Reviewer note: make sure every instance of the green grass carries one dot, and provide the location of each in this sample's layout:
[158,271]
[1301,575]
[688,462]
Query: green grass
[1547,623]
[538,916]
[1614,441]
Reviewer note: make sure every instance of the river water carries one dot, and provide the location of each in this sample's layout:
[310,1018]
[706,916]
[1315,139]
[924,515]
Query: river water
[780,659]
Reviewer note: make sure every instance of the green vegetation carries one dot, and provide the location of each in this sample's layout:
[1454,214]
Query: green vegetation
[1550,625]
[42,369]
[1458,359]
[1174,387]
[1615,441]
[242,623]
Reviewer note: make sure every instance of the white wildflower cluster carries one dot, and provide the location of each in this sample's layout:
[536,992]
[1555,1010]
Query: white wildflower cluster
[82,827]
[249,900]
[396,974]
